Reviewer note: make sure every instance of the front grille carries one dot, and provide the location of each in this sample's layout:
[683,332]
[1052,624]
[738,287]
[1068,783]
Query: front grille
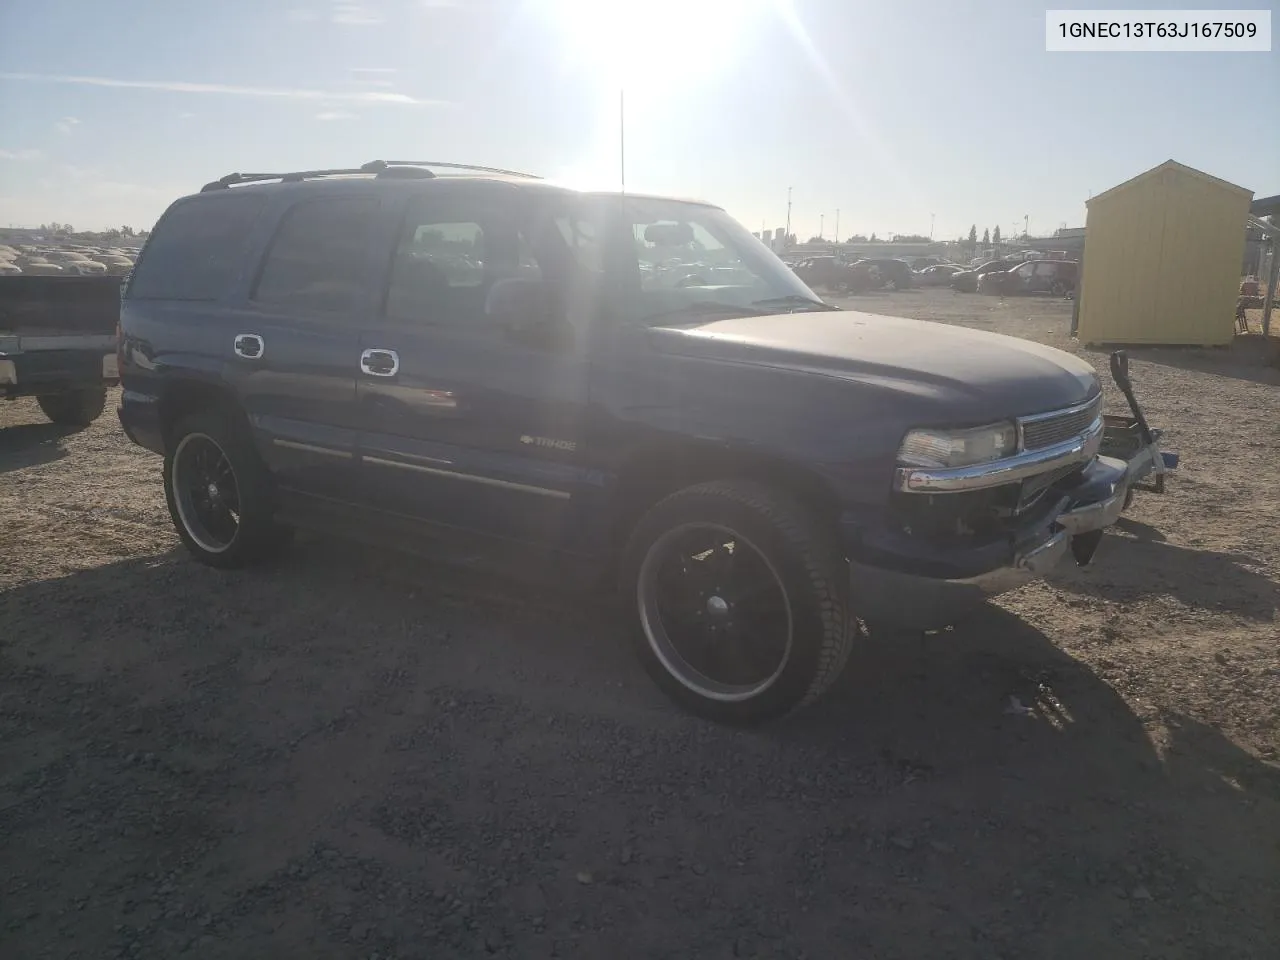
[1047,429]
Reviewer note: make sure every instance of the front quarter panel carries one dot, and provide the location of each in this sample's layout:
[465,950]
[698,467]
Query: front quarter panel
[846,432]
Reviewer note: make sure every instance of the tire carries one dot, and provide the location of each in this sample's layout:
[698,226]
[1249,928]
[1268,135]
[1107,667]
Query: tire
[256,535]
[797,570]
[74,408]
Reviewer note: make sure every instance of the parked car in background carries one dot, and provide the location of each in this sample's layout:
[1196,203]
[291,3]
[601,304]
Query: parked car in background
[879,274]
[920,263]
[822,272]
[1055,277]
[938,275]
[966,281]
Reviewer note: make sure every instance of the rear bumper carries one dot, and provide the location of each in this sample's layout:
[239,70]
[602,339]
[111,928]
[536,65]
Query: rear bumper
[42,372]
[140,417]
[893,590]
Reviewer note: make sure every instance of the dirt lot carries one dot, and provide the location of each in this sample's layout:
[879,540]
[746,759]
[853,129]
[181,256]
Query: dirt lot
[354,755]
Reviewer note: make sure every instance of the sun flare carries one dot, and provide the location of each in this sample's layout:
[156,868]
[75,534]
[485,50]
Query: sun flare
[654,44]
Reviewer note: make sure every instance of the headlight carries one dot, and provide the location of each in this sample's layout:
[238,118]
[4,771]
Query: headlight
[958,448]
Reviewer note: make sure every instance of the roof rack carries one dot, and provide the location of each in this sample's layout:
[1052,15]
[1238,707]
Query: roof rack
[379,166]
[233,179]
[389,169]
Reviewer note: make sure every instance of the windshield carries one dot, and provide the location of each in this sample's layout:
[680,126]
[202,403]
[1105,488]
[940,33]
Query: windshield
[686,258]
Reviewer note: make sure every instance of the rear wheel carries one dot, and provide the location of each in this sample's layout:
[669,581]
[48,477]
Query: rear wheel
[740,601]
[219,492]
[74,408]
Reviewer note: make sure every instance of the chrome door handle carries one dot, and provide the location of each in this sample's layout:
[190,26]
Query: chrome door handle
[249,346]
[378,362]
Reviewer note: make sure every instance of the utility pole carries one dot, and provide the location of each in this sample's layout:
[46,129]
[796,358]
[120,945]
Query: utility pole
[931,228]
[837,224]
[1026,224]
[786,234]
[821,220]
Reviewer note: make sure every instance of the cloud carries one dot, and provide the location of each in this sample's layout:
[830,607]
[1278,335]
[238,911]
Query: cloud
[66,124]
[373,76]
[26,153]
[356,15]
[335,115]
[186,115]
[226,89]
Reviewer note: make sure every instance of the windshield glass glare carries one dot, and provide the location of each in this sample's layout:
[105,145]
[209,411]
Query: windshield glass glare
[684,255]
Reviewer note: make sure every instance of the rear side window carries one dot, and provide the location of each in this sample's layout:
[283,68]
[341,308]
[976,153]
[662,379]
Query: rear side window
[195,249]
[317,259]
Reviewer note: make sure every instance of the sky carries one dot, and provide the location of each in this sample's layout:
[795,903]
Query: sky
[903,116]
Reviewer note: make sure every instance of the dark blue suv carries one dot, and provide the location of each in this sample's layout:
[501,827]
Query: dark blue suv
[626,385]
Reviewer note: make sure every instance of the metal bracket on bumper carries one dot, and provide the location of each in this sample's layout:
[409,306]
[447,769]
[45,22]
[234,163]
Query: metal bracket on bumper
[910,600]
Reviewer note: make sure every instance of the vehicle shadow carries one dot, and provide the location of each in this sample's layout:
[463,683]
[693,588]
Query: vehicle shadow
[1249,358]
[1140,530]
[31,444]
[994,742]
[978,788]
[1131,567]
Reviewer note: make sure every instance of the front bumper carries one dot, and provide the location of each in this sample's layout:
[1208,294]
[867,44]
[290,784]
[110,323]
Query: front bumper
[889,589]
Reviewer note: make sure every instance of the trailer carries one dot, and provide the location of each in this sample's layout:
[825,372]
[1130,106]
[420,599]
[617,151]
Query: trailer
[58,343]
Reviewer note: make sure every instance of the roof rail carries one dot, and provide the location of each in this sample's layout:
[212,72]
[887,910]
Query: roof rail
[378,166]
[232,179]
[391,169]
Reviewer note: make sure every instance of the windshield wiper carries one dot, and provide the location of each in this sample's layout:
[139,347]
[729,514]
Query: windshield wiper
[793,299]
[700,308]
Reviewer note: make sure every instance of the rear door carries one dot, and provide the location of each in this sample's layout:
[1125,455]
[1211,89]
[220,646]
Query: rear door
[467,421]
[295,344]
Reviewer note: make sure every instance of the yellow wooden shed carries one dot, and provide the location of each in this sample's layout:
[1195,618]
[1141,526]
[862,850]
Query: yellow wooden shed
[1162,257]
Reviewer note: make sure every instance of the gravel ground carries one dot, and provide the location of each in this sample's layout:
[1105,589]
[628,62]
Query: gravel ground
[349,754]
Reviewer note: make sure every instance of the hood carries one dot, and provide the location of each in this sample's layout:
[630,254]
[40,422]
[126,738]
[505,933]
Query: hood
[971,375]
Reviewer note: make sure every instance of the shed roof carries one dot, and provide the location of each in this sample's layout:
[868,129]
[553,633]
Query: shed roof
[1266,206]
[1168,165]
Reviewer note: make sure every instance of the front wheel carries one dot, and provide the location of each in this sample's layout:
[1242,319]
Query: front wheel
[74,408]
[219,492]
[740,599]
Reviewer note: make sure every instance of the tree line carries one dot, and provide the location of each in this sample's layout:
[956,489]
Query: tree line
[988,236]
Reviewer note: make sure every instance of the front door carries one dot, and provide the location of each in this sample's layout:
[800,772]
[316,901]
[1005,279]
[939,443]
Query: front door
[1022,279]
[1046,276]
[470,416]
[296,339]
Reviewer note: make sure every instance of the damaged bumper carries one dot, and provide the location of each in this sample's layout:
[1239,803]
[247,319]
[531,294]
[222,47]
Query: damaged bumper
[928,589]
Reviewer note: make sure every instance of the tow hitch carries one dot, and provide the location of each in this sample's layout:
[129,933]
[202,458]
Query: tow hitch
[1084,546]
